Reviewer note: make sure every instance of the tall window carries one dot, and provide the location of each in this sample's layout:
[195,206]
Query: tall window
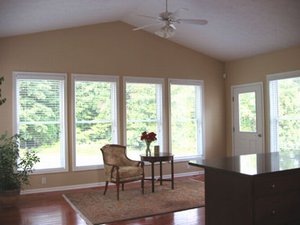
[285,111]
[143,112]
[95,112]
[40,117]
[186,118]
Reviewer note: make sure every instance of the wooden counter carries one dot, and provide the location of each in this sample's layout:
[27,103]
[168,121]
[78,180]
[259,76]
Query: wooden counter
[256,189]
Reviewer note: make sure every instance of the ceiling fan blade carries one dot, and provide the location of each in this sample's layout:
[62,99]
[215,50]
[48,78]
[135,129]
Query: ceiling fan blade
[178,12]
[192,21]
[148,25]
[149,17]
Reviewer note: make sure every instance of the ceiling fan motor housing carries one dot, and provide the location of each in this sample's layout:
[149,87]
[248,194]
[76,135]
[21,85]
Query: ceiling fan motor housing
[167,16]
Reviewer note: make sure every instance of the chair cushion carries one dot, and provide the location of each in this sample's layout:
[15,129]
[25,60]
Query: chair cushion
[128,173]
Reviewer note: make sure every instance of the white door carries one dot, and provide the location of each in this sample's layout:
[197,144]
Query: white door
[248,124]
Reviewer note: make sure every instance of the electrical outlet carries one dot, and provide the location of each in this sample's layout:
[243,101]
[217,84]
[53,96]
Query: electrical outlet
[44,180]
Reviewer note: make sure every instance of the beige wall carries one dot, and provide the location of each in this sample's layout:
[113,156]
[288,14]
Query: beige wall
[255,69]
[112,49]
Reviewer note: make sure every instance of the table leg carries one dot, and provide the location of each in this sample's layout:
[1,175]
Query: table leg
[172,173]
[160,172]
[152,171]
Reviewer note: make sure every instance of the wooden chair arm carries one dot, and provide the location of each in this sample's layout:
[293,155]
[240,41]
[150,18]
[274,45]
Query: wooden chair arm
[111,168]
[114,167]
[141,163]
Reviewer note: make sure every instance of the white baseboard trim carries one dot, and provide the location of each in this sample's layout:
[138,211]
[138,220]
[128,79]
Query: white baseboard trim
[62,188]
[97,184]
[188,174]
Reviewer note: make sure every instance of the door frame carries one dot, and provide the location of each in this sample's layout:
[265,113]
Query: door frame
[260,85]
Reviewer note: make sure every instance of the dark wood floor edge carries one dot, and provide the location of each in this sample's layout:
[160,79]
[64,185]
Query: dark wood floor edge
[77,211]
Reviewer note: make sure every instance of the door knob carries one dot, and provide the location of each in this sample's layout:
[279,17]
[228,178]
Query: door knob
[259,135]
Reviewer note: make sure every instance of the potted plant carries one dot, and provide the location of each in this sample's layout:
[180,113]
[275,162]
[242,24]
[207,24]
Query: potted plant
[14,169]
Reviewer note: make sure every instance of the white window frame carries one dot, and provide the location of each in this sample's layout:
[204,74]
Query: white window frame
[160,102]
[200,117]
[273,102]
[44,76]
[116,124]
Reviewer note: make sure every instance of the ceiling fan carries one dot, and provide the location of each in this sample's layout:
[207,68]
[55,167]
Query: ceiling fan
[169,19]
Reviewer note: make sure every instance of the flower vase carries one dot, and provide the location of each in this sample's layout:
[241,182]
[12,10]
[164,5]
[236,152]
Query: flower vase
[148,151]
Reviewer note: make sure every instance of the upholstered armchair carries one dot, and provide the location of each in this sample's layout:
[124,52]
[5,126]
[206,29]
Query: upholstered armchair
[119,169]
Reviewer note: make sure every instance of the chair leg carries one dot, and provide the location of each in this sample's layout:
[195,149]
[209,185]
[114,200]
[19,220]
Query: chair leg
[118,185]
[142,184]
[123,186]
[106,185]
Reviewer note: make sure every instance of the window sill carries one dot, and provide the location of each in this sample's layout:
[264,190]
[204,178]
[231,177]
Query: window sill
[84,168]
[45,171]
[187,158]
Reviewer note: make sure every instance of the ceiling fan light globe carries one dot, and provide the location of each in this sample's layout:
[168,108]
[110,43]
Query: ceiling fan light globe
[166,31]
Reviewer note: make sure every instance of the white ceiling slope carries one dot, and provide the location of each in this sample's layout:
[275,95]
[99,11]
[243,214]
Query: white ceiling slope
[235,29]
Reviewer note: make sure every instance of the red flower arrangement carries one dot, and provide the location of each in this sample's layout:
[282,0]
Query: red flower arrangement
[148,137]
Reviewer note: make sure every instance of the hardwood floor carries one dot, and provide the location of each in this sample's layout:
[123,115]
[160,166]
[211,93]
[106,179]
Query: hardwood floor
[52,209]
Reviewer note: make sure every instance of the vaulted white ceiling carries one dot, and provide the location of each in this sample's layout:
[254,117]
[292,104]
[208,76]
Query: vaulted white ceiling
[235,29]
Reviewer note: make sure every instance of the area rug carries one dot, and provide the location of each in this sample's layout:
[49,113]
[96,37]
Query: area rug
[96,208]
